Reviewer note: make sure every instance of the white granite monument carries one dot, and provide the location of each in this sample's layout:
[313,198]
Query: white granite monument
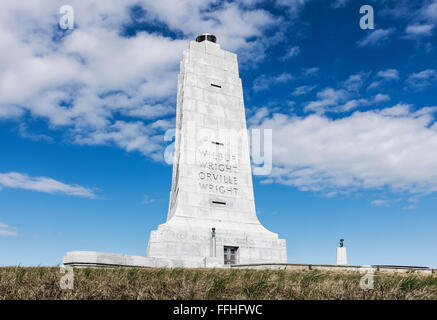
[211,220]
[341,254]
[212,179]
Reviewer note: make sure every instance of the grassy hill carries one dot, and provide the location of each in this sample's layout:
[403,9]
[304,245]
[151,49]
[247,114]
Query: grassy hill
[133,283]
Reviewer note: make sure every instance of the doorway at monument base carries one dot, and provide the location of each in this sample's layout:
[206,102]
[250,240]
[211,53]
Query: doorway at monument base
[190,240]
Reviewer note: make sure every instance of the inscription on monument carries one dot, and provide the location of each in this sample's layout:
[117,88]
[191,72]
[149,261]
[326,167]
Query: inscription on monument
[217,173]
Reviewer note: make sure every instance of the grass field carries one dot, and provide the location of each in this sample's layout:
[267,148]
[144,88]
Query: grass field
[132,283]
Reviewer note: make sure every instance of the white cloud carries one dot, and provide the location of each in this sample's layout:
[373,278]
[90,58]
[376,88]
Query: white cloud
[339,3]
[399,110]
[380,97]
[264,82]
[328,97]
[431,11]
[347,96]
[291,104]
[388,74]
[375,37]
[23,132]
[7,231]
[380,202]
[359,102]
[310,71]
[303,90]
[422,79]
[355,81]
[131,136]
[384,76]
[384,202]
[292,52]
[43,184]
[394,148]
[258,116]
[82,81]
[293,6]
[350,105]
[416,30]
[147,199]
[10,111]
[374,84]
[230,23]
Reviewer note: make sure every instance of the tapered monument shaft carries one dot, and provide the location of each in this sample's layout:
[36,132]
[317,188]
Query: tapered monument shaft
[212,179]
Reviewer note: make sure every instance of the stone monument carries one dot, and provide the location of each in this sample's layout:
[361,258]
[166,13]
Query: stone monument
[211,220]
[212,179]
[341,254]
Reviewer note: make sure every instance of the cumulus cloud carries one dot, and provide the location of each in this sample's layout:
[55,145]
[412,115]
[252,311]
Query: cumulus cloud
[298,91]
[384,202]
[328,97]
[339,3]
[9,111]
[347,96]
[96,82]
[422,79]
[388,74]
[264,82]
[310,71]
[291,52]
[375,37]
[258,116]
[7,231]
[24,132]
[353,104]
[293,6]
[380,97]
[147,199]
[43,184]
[131,136]
[417,30]
[395,148]
[355,81]
[384,76]
[431,11]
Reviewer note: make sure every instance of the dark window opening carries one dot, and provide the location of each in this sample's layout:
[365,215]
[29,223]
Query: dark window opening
[217,143]
[230,255]
[219,202]
[215,85]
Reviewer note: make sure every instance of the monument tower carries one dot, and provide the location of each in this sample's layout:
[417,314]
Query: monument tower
[212,179]
[211,220]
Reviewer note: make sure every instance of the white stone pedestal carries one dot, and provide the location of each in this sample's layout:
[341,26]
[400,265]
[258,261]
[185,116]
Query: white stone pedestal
[341,256]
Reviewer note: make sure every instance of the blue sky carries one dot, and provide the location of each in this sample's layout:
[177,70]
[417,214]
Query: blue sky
[83,113]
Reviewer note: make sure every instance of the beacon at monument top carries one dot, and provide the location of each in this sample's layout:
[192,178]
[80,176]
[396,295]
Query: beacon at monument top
[206,36]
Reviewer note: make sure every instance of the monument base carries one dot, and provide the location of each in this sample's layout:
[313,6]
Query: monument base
[341,256]
[187,239]
[112,260]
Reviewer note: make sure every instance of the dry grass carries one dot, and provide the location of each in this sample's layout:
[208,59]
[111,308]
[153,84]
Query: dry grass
[132,283]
